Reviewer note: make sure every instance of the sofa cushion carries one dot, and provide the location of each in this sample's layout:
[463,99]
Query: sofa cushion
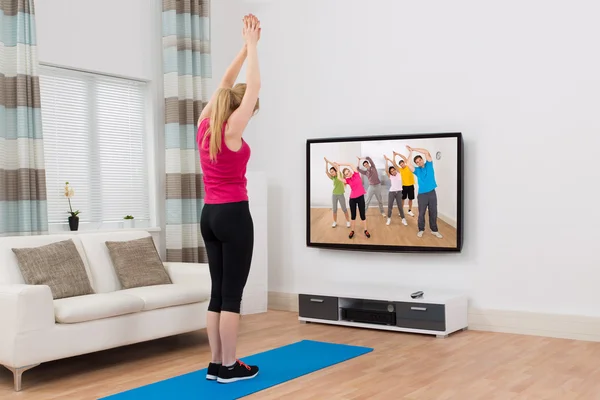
[137,263]
[161,296]
[95,306]
[103,275]
[58,265]
[9,264]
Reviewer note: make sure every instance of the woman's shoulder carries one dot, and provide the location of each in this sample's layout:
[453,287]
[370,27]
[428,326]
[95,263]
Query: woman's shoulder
[204,124]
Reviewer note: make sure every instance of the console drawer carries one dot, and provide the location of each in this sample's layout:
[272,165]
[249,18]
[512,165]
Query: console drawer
[320,307]
[422,324]
[421,311]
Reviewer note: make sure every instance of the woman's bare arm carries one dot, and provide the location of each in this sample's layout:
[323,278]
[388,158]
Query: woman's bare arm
[327,163]
[227,81]
[239,119]
[387,161]
[350,166]
[339,170]
[393,160]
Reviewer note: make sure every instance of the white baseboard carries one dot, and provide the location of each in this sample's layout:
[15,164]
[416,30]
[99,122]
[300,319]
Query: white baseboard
[516,322]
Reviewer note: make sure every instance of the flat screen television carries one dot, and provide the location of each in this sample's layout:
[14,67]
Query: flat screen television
[352,181]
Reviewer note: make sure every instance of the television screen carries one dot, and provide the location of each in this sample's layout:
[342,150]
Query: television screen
[385,193]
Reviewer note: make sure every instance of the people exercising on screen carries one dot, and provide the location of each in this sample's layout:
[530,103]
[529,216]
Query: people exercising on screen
[374,183]
[408,182]
[338,195]
[357,195]
[427,197]
[395,192]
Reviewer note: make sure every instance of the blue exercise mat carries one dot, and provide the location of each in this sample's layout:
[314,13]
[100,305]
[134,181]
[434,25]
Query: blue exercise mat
[276,366]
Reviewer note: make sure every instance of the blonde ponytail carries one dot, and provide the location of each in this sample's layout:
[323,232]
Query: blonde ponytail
[226,101]
[221,110]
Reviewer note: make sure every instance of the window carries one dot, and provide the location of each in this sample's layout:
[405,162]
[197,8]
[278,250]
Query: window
[94,138]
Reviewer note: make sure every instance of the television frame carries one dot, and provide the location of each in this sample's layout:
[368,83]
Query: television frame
[392,248]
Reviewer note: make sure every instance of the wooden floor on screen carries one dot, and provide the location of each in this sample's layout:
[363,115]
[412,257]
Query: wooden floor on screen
[395,234]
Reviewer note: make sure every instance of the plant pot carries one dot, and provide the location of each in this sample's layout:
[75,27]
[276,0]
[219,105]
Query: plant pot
[74,223]
[128,223]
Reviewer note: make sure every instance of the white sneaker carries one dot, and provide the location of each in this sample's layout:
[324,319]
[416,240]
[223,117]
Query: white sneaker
[411,213]
[404,222]
[383,215]
[437,234]
[347,224]
[420,234]
[389,221]
[334,225]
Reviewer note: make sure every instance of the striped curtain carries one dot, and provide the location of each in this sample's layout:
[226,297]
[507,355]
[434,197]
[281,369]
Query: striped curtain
[187,69]
[23,209]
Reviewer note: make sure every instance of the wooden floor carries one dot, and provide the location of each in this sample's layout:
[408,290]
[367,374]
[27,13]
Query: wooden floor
[395,234]
[467,365]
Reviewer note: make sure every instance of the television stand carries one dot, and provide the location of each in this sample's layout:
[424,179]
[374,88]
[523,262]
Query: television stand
[435,313]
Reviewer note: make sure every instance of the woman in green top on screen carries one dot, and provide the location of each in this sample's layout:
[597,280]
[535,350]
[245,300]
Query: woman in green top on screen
[338,195]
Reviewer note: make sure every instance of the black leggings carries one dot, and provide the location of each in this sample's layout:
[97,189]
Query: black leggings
[360,202]
[228,233]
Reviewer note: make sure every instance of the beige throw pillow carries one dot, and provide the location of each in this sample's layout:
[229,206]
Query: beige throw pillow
[58,265]
[137,263]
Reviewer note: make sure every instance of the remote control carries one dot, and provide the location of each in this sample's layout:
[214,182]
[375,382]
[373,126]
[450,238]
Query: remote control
[416,295]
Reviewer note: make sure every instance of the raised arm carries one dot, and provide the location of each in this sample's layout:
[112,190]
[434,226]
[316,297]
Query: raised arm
[401,156]
[239,118]
[393,160]
[231,75]
[411,162]
[327,162]
[348,165]
[358,168]
[339,171]
[370,160]
[423,151]
[387,161]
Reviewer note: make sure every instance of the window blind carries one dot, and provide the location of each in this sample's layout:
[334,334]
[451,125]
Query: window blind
[94,138]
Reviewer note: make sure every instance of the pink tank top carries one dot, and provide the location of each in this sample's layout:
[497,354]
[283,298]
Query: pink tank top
[356,186]
[225,178]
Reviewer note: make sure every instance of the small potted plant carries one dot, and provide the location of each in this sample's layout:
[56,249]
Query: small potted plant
[128,221]
[74,218]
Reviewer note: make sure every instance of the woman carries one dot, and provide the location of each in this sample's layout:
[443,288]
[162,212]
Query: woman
[395,192]
[338,195]
[357,195]
[226,224]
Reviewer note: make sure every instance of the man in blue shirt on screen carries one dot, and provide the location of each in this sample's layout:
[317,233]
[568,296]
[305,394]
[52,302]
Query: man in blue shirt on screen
[427,197]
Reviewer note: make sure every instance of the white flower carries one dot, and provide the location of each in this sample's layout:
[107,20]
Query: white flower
[69,192]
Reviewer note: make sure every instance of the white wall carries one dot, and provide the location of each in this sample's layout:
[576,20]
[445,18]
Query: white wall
[519,79]
[111,36]
[255,296]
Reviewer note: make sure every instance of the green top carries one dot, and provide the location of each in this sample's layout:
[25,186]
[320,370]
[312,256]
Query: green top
[338,186]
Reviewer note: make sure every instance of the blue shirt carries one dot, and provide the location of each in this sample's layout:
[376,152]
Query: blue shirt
[426,176]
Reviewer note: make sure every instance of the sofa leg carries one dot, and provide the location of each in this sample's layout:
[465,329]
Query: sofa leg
[18,374]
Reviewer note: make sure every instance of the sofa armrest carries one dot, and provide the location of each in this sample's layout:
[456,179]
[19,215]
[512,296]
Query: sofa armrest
[189,273]
[23,308]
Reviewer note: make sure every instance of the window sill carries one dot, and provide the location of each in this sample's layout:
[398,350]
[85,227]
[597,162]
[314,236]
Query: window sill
[56,230]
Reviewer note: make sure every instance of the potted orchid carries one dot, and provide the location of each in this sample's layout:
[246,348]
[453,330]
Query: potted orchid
[74,218]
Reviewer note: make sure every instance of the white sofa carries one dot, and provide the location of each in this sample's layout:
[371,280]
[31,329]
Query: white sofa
[34,328]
